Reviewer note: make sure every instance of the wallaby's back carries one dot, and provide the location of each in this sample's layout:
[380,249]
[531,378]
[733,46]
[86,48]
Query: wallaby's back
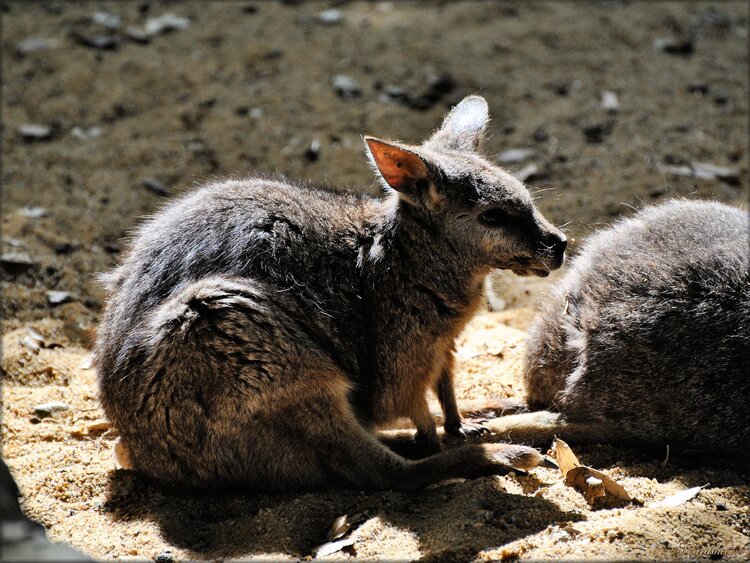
[648,335]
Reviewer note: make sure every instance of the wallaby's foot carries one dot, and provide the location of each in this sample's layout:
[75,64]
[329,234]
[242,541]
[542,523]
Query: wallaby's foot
[516,457]
[473,428]
[427,443]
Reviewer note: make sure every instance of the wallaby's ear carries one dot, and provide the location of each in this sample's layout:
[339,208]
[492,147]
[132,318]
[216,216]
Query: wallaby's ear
[402,170]
[464,126]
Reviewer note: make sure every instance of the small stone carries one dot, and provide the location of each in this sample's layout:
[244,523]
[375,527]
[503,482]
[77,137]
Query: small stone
[137,34]
[45,410]
[35,335]
[165,557]
[31,344]
[346,86]
[34,44]
[721,98]
[721,506]
[610,103]
[155,186]
[83,134]
[540,134]
[528,173]
[32,212]
[330,17]
[87,363]
[698,87]
[597,132]
[101,42]
[313,151]
[673,46]
[16,262]
[35,131]
[706,171]
[106,19]
[164,23]
[99,425]
[57,297]
[512,156]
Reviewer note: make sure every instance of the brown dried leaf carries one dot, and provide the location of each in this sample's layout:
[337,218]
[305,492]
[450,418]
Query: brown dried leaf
[564,456]
[339,528]
[599,489]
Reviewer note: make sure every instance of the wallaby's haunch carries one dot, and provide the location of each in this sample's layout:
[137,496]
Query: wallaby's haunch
[647,338]
[258,331]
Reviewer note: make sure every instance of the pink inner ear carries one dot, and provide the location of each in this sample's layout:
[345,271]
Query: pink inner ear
[399,167]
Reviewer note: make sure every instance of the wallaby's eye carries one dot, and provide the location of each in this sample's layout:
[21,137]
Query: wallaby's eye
[495,217]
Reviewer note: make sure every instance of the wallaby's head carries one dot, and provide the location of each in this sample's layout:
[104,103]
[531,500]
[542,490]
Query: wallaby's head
[485,213]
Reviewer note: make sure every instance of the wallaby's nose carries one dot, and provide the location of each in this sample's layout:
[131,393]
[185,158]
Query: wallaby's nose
[558,245]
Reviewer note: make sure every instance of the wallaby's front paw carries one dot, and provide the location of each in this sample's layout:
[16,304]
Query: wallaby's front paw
[467,429]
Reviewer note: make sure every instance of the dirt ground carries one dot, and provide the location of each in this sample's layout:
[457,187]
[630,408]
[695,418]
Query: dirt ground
[250,86]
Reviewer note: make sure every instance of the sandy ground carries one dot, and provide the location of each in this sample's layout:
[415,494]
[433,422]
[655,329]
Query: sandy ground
[248,87]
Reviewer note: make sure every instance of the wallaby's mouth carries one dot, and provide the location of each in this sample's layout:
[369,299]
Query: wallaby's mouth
[523,266]
[542,273]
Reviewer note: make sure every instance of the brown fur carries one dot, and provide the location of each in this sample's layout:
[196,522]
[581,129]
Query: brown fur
[258,331]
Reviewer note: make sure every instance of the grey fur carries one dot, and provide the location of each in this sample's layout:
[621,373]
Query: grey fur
[647,337]
[257,331]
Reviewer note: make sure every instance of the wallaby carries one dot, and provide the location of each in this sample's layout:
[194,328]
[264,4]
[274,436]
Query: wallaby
[647,337]
[257,331]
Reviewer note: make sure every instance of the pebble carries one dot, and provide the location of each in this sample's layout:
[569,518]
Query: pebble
[514,155]
[32,212]
[164,23]
[540,134]
[16,262]
[137,34]
[610,103]
[155,186]
[597,132]
[106,19]
[313,151]
[164,557]
[83,134]
[698,87]
[96,41]
[35,131]
[721,98]
[528,172]
[57,297]
[34,44]
[330,17]
[438,88]
[673,46]
[45,410]
[346,86]
[35,335]
[706,171]
[30,343]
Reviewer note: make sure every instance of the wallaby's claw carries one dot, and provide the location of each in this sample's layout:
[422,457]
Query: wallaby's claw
[468,429]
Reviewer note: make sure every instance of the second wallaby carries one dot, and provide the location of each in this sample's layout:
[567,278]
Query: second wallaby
[258,331]
[647,337]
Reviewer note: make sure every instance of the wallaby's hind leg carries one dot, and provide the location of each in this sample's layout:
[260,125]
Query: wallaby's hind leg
[360,459]
[236,391]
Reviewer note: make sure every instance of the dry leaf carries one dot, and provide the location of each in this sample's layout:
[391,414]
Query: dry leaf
[678,498]
[564,456]
[599,489]
[339,528]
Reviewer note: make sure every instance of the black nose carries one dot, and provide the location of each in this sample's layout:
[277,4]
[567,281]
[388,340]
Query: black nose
[557,245]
